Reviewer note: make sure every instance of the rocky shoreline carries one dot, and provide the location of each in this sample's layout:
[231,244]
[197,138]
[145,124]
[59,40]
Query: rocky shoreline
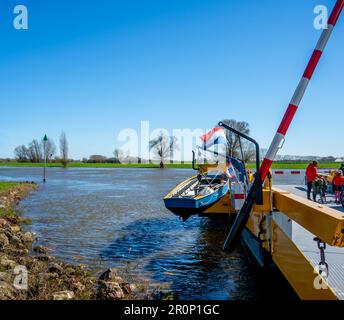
[28,272]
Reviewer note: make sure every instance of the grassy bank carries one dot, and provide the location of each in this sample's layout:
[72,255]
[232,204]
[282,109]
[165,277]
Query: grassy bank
[6,186]
[11,193]
[276,165]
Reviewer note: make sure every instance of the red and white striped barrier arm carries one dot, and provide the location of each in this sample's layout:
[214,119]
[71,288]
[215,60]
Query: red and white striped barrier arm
[278,140]
[283,172]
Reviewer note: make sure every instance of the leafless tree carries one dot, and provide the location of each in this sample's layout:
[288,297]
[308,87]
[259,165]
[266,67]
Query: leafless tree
[118,154]
[163,146]
[35,151]
[173,147]
[64,149]
[234,141]
[249,152]
[21,153]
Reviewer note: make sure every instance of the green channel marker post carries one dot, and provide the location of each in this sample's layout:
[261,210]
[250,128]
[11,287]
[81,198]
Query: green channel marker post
[45,139]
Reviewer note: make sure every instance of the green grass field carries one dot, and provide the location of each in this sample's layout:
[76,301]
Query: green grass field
[94,165]
[5,186]
[276,165]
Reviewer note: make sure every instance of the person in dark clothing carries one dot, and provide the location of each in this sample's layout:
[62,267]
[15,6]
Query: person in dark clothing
[342,168]
[311,175]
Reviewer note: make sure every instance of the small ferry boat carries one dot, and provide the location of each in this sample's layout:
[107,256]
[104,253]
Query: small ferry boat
[218,175]
[197,194]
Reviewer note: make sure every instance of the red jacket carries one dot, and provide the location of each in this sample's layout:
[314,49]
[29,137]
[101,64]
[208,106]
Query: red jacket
[311,173]
[338,181]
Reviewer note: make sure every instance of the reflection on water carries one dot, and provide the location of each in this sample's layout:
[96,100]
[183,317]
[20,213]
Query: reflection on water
[116,218]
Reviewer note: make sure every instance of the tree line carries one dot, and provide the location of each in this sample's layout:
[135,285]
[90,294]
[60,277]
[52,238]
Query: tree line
[162,146]
[39,151]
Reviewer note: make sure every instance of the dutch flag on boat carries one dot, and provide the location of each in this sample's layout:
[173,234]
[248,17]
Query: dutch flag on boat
[214,137]
[231,172]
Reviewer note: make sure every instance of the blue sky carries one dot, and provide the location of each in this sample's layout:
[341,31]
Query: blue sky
[92,68]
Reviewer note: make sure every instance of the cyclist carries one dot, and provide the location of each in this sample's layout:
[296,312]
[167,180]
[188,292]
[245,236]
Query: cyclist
[338,182]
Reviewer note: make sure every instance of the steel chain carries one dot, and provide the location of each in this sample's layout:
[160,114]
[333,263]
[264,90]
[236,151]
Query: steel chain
[323,266]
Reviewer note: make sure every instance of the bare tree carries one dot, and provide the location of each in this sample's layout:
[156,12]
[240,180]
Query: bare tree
[234,148]
[249,152]
[21,153]
[162,147]
[173,147]
[118,154]
[64,149]
[35,151]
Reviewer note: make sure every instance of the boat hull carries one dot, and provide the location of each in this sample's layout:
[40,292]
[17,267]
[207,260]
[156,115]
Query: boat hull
[184,206]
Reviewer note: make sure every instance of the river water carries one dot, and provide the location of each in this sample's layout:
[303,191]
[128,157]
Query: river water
[116,218]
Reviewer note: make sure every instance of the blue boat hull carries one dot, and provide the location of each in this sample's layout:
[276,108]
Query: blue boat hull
[189,206]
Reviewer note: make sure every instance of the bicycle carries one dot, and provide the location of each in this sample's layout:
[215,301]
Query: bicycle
[320,188]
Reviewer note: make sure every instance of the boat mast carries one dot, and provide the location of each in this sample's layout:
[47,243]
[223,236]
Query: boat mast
[278,140]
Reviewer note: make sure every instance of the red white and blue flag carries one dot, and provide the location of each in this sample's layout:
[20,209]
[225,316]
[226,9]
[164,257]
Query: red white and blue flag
[230,172]
[214,137]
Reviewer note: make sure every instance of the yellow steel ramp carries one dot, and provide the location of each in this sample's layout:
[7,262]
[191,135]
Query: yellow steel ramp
[294,231]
